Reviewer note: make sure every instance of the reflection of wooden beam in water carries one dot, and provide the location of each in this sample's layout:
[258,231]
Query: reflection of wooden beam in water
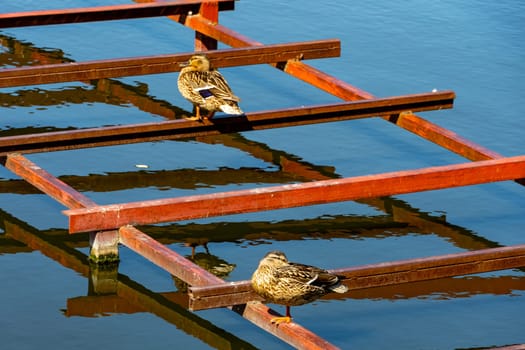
[69,95]
[100,305]
[26,54]
[107,91]
[427,224]
[51,247]
[166,179]
[138,96]
[165,308]
[289,165]
[135,296]
[337,226]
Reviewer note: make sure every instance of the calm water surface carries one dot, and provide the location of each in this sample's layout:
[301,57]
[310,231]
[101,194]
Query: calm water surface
[475,48]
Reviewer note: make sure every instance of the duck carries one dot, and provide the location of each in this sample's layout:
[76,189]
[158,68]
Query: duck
[280,281]
[206,88]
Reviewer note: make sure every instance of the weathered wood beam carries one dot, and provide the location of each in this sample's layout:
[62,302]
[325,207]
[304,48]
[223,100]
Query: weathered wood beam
[288,196]
[292,333]
[46,182]
[377,275]
[177,129]
[119,67]
[443,137]
[106,13]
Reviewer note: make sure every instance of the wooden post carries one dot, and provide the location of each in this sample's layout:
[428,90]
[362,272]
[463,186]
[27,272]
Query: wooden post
[104,247]
[210,11]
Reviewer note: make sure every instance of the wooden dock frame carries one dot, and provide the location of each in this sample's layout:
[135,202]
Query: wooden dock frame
[203,18]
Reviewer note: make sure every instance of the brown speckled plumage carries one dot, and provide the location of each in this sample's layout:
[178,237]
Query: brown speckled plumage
[206,88]
[282,282]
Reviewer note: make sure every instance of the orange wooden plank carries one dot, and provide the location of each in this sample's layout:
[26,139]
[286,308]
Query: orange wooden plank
[118,67]
[293,116]
[287,196]
[377,275]
[106,13]
[292,333]
[443,137]
[46,182]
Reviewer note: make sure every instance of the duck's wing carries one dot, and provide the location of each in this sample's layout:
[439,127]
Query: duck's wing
[208,84]
[299,273]
[219,87]
[310,274]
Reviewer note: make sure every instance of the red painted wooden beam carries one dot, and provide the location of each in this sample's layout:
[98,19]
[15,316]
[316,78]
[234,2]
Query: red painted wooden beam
[106,13]
[119,67]
[377,275]
[46,182]
[166,258]
[177,129]
[288,196]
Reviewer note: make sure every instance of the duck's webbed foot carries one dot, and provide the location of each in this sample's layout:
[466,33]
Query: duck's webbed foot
[192,118]
[281,319]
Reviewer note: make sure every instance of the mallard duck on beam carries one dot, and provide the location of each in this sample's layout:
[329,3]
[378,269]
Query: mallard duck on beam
[206,89]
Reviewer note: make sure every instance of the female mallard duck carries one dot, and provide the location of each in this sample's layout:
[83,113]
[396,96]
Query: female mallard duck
[282,282]
[206,88]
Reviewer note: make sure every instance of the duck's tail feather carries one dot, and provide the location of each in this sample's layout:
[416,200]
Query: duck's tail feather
[338,288]
[231,109]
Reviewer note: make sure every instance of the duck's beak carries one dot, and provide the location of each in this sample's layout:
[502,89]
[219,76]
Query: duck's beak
[184,64]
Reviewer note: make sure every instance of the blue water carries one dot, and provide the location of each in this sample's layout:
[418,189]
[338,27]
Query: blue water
[475,48]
